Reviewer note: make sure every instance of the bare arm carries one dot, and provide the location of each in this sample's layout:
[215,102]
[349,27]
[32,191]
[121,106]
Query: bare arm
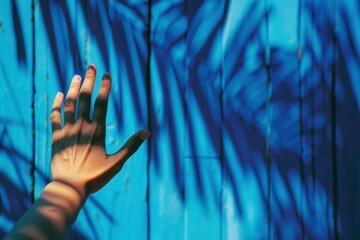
[79,165]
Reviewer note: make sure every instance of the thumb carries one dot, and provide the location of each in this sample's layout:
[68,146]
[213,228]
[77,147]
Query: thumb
[130,147]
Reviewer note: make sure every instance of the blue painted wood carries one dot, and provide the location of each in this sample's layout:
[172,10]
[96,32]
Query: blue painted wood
[59,35]
[236,152]
[168,119]
[203,174]
[285,139]
[16,119]
[347,109]
[245,194]
[317,184]
[126,53]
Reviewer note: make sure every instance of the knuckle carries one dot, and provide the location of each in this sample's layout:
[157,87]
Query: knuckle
[73,86]
[84,95]
[56,102]
[69,103]
[101,103]
[56,137]
[53,116]
[105,84]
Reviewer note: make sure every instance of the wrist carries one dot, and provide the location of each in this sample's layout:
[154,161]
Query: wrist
[71,187]
[64,197]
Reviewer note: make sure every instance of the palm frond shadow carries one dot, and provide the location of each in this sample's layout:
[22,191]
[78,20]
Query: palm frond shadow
[232,97]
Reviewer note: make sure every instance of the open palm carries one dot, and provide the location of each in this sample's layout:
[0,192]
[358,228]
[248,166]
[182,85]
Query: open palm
[79,156]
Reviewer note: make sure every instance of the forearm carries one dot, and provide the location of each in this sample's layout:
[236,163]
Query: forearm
[52,215]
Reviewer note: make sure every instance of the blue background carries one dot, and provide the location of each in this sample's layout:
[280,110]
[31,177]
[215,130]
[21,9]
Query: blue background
[254,109]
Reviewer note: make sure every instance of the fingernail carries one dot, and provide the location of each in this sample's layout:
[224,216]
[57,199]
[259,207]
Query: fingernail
[77,78]
[91,68]
[106,76]
[144,135]
[59,95]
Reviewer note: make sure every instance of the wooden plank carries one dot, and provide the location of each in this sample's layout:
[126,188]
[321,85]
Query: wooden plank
[347,116]
[316,154]
[316,58]
[203,179]
[245,183]
[167,87]
[52,74]
[285,109]
[59,51]
[118,42]
[16,113]
[95,219]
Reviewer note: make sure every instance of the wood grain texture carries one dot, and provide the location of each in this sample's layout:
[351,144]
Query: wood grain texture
[168,79]
[253,108]
[16,112]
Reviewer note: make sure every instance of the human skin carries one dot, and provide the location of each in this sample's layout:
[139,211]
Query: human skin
[80,165]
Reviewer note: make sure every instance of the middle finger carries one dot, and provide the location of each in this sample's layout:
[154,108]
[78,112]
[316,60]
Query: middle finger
[85,93]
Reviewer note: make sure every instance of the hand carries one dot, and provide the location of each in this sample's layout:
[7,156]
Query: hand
[80,165]
[79,157]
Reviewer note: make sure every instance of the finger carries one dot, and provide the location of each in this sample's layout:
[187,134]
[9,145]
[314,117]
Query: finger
[55,116]
[71,98]
[101,101]
[85,93]
[130,147]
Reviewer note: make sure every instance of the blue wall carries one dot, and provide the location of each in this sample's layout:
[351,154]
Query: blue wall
[254,109]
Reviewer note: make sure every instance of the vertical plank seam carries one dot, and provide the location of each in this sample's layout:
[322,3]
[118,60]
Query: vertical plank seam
[222,120]
[87,34]
[268,117]
[148,95]
[33,167]
[186,116]
[221,94]
[312,100]
[333,123]
[301,123]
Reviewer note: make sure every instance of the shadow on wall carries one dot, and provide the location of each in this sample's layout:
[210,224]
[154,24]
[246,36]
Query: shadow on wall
[301,184]
[236,97]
